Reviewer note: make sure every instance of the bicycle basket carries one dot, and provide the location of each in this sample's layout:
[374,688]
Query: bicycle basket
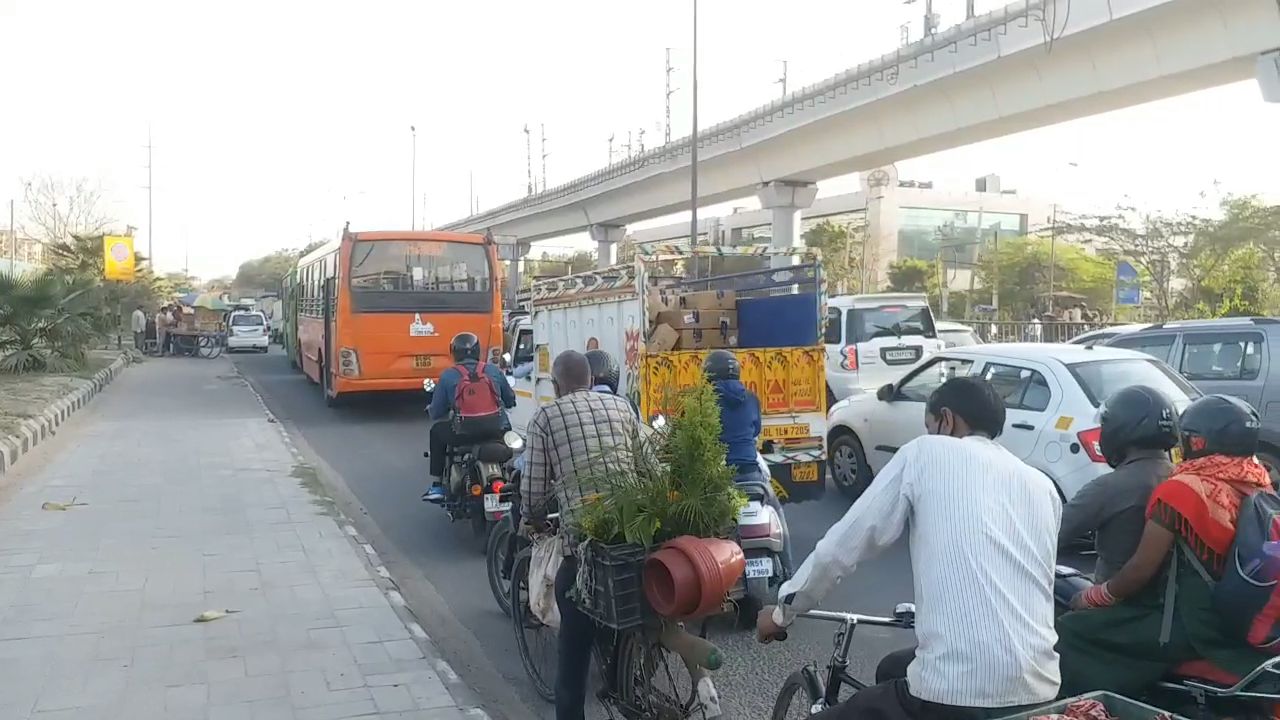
[610,591]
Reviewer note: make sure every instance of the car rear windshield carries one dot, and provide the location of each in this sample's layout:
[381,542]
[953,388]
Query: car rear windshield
[246,319]
[417,275]
[890,320]
[1100,379]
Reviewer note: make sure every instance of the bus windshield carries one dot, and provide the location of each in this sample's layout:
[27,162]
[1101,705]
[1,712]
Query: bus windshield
[418,275]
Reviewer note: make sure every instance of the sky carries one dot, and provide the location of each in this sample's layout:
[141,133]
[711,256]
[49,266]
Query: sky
[274,122]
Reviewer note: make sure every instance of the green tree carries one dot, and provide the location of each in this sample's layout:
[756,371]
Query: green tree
[910,275]
[1022,269]
[841,247]
[1238,284]
[557,265]
[264,273]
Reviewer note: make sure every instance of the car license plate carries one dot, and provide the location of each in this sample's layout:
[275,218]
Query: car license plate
[759,567]
[804,472]
[782,432]
[493,503]
[422,361]
[902,354]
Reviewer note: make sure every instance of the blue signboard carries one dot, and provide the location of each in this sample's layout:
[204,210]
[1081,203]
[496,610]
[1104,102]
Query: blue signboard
[1128,286]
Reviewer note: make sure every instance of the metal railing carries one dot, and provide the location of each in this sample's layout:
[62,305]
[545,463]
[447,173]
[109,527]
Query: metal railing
[1004,331]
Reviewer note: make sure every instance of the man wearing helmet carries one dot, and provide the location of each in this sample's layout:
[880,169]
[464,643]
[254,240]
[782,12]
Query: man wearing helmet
[465,348]
[606,374]
[1139,426]
[1157,611]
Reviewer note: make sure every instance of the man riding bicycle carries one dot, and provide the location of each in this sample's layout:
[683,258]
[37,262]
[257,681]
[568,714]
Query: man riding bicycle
[983,528]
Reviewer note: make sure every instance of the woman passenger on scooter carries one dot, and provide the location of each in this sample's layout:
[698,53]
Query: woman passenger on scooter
[1123,638]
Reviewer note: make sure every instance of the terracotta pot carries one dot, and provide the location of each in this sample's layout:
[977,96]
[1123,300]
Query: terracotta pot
[689,577]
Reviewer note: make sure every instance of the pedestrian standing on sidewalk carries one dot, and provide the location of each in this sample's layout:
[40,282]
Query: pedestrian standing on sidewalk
[162,330]
[138,323]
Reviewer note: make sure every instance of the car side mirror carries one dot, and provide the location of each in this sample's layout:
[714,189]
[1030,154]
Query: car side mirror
[885,393]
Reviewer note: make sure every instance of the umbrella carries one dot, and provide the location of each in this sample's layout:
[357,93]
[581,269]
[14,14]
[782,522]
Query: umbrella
[209,301]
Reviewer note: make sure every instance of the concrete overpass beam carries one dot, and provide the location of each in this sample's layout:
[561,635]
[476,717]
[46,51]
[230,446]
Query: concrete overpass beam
[784,200]
[607,238]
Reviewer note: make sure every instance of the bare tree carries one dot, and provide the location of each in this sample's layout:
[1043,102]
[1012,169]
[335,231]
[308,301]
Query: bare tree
[54,209]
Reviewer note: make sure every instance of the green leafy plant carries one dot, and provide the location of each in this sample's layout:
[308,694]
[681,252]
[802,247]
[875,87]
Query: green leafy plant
[48,321]
[662,484]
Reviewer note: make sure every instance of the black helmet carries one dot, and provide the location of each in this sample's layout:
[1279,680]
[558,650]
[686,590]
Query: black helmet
[1219,425]
[604,369]
[1137,417]
[465,346]
[721,365]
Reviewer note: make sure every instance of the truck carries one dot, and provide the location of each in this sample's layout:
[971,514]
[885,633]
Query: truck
[660,318]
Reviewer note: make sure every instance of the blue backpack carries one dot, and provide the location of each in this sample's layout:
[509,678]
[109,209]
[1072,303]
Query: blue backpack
[1247,598]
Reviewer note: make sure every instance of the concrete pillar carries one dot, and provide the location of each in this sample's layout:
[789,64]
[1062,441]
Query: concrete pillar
[1268,74]
[513,252]
[880,187]
[785,199]
[607,238]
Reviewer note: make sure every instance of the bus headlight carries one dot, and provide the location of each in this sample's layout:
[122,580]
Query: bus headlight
[348,363]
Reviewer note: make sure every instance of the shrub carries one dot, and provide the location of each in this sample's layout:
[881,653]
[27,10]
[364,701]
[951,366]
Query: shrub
[48,321]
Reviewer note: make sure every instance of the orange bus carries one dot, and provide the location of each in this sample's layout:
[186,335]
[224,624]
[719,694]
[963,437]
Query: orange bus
[376,310]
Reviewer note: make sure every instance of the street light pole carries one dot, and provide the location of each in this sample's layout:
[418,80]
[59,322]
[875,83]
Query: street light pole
[693,140]
[413,181]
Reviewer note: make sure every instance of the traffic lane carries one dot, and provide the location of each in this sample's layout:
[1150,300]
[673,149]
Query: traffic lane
[375,445]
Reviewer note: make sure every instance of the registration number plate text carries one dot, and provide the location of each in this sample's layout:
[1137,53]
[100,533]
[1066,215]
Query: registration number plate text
[493,503]
[759,567]
[901,354]
[804,472]
[422,361]
[783,432]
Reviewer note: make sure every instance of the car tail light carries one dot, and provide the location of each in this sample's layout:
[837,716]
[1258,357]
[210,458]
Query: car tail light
[1091,441]
[849,357]
[348,362]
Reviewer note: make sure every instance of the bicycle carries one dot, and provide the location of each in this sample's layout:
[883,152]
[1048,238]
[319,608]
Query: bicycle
[634,663]
[821,693]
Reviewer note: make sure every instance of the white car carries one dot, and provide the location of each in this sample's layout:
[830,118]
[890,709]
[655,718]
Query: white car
[953,334]
[874,339]
[1053,396]
[247,330]
[1102,336]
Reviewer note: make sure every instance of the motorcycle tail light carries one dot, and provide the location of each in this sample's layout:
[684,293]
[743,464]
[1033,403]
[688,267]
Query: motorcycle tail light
[497,486]
[477,491]
[1091,441]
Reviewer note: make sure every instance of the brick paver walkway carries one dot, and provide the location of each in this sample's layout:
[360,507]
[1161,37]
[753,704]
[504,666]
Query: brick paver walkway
[192,504]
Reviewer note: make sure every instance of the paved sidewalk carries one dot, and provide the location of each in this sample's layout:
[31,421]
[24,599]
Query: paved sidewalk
[193,503]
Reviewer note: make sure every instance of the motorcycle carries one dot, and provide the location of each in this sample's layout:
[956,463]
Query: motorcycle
[476,476]
[1208,691]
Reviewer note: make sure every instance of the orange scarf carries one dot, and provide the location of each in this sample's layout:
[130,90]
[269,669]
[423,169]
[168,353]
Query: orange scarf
[1201,500]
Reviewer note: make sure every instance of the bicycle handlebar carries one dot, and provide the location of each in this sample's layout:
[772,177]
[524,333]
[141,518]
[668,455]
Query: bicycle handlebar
[853,618]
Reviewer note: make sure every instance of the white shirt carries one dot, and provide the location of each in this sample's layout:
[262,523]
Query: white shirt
[139,321]
[983,530]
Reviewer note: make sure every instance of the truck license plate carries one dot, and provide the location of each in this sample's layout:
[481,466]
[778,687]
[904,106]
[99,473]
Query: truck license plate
[422,361]
[759,567]
[493,503]
[804,472]
[783,432]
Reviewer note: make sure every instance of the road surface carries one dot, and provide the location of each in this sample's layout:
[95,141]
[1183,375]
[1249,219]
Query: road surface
[374,446]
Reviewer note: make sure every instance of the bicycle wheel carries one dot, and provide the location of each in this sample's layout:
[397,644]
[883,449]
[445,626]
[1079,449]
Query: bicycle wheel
[208,347]
[653,683]
[537,642]
[794,699]
[495,562]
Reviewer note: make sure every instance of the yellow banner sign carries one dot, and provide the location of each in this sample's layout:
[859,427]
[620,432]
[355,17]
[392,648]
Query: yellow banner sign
[117,257]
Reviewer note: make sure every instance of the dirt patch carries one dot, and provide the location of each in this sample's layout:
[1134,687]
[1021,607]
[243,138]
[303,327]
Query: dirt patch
[26,396]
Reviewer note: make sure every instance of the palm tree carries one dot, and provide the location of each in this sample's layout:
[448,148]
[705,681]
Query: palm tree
[48,320]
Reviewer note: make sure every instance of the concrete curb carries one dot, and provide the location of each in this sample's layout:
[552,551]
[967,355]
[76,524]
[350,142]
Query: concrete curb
[466,699]
[42,427]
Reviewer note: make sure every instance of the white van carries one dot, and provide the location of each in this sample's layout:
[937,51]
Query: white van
[875,339]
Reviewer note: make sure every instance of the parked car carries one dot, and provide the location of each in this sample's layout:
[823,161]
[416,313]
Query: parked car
[1103,335]
[1053,396]
[1230,356]
[873,339]
[954,334]
[247,329]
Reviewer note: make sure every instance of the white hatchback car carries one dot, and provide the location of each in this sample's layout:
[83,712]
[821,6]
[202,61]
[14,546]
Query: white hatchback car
[247,330]
[1053,396]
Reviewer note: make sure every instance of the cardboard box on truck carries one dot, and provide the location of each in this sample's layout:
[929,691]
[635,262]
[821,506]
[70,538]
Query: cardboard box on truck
[707,339]
[691,319]
[701,300]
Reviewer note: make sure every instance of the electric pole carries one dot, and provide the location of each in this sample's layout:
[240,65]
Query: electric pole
[628,145]
[610,149]
[640,142]
[783,80]
[151,233]
[528,159]
[413,180]
[666,136]
[693,139]
[13,244]
[543,129]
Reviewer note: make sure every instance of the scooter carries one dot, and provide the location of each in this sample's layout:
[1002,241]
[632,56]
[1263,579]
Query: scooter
[476,476]
[762,538]
[1210,691]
